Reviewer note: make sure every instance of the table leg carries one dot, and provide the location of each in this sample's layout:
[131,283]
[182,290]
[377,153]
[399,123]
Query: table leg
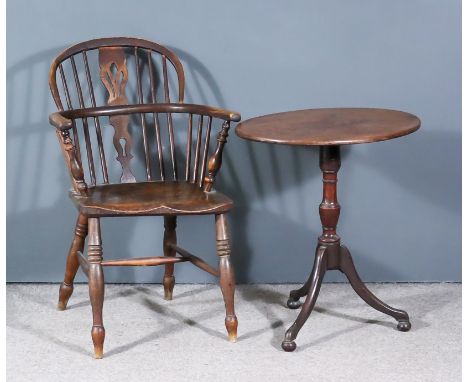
[331,255]
[295,295]
[320,267]
[348,268]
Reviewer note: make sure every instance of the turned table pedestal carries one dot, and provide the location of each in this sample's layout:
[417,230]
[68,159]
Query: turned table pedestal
[329,129]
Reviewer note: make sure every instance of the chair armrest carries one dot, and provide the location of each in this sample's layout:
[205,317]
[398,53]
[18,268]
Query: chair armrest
[100,111]
[60,122]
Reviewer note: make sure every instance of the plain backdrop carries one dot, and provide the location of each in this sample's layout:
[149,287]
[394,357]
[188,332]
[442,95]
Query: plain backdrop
[401,199]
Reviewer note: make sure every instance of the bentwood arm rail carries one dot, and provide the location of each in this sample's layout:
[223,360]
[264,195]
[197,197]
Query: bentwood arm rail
[63,119]
[60,122]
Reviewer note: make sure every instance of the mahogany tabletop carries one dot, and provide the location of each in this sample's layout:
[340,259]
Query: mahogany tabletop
[334,126]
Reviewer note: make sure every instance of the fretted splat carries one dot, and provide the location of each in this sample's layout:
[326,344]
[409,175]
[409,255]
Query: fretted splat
[114,76]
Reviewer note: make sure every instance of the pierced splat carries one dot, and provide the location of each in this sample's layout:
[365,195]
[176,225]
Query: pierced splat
[114,76]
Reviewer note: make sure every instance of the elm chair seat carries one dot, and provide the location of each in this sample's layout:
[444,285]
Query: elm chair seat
[150,198]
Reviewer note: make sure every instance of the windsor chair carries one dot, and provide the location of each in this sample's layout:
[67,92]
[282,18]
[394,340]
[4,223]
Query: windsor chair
[106,113]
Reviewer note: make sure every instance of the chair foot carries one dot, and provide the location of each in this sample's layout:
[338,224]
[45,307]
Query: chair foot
[98,334]
[65,293]
[168,282]
[231,327]
[404,325]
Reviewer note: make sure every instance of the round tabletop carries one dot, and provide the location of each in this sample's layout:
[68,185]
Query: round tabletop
[334,126]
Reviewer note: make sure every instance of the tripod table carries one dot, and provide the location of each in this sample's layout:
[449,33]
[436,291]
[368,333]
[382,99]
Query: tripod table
[329,129]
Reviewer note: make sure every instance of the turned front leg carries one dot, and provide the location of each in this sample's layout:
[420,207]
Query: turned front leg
[170,240]
[96,285]
[66,288]
[226,274]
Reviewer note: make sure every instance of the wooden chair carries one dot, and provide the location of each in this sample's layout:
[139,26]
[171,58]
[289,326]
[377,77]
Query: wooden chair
[129,102]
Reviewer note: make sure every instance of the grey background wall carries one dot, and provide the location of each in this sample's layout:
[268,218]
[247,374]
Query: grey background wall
[401,199]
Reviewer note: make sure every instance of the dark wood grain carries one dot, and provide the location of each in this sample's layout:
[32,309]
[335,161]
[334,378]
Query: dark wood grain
[217,158]
[129,42]
[73,163]
[113,58]
[329,129]
[195,260]
[226,271]
[95,192]
[84,263]
[151,198]
[335,126]
[157,128]
[169,241]
[96,285]
[97,123]
[89,149]
[66,288]
[331,255]
[151,108]
[143,261]
[115,81]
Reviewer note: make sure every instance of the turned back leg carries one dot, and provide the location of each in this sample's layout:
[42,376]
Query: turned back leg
[226,274]
[66,288]
[170,238]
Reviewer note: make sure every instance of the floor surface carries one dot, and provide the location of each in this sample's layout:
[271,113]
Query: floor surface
[150,339]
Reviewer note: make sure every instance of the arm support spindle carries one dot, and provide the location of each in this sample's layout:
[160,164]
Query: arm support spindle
[73,164]
[214,164]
